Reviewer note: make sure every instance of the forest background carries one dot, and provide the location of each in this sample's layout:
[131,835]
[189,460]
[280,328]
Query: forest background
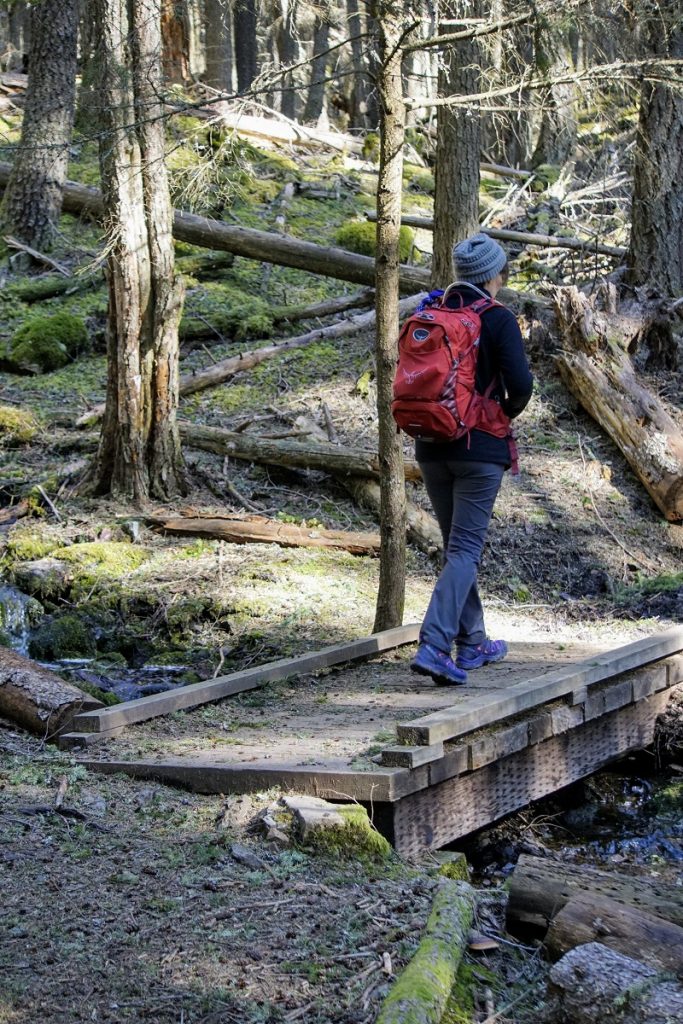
[516,117]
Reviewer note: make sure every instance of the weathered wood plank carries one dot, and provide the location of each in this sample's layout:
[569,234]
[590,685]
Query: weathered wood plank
[410,757]
[455,807]
[481,711]
[385,785]
[191,696]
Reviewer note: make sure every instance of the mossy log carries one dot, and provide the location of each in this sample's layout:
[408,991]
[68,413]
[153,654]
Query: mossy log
[326,457]
[597,370]
[37,698]
[420,994]
[540,888]
[259,530]
[593,984]
[588,917]
[263,246]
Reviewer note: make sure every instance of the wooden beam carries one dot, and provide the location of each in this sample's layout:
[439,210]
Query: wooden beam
[433,817]
[385,785]
[144,708]
[489,708]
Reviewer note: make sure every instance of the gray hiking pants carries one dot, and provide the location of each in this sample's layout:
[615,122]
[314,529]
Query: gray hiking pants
[462,496]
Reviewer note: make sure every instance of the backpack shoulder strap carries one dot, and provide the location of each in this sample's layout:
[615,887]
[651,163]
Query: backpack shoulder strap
[478,306]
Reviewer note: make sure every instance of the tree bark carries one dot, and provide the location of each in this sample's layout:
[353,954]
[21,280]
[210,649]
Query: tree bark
[593,985]
[358,101]
[458,147]
[139,453]
[255,245]
[175,32]
[259,530]
[315,95]
[245,41]
[540,888]
[218,47]
[589,917]
[656,246]
[391,24]
[601,376]
[39,699]
[287,48]
[33,198]
[293,454]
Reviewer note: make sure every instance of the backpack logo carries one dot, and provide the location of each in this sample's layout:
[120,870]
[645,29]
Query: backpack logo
[420,334]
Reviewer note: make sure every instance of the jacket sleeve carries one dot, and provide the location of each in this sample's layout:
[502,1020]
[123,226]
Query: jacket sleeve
[509,357]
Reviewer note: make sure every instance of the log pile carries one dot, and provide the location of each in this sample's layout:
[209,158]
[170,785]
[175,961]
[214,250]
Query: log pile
[610,934]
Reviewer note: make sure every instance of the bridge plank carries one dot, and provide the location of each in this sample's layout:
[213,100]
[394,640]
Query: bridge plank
[144,708]
[486,709]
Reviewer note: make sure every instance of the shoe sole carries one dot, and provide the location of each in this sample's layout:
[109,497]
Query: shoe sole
[440,680]
[483,660]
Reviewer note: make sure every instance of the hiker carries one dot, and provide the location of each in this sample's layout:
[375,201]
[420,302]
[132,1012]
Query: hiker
[463,476]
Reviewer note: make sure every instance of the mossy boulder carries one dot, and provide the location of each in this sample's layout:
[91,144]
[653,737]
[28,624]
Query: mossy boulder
[342,831]
[46,343]
[360,236]
[65,637]
[17,426]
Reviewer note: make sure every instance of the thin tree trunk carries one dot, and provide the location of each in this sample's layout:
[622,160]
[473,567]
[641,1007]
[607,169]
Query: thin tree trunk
[218,47]
[33,198]
[246,47]
[315,98]
[287,48]
[175,30]
[458,145]
[391,593]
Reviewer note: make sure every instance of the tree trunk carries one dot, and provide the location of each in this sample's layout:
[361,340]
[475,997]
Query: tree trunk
[391,24]
[557,103]
[292,454]
[594,985]
[315,97]
[33,198]
[259,530]
[656,248]
[253,244]
[19,35]
[540,888]
[246,46]
[218,47]
[175,31]
[38,699]
[288,52]
[139,453]
[601,376]
[458,147]
[588,917]
[359,97]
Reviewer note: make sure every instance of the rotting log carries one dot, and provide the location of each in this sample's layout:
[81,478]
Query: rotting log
[259,530]
[39,699]
[541,887]
[597,370]
[326,307]
[264,246]
[593,984]
[590,917]
[420,993]
[328,458]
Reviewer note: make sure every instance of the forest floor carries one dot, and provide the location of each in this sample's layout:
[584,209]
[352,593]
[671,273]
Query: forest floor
[144,906]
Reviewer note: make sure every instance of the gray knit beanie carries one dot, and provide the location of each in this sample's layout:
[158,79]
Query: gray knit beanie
[478,259]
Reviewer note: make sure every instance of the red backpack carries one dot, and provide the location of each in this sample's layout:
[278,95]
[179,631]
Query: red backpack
[434,387]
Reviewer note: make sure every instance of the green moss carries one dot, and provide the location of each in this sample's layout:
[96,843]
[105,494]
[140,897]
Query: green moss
[670,798]
[360,236]
[229,309]
[17,426]
[418,179]
[27,545]
[460,1005]
[104,558]
[106,697]
[66,637]
[356,839]
[46,343]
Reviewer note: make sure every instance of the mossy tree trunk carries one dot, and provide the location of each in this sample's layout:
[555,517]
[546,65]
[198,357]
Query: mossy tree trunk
[391,23]
[139,453]
[33,198]
[458,146]
[656,249]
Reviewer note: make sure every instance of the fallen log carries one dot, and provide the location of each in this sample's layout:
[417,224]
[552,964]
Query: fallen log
[540,888]
[326,457]
[597,370]
[526,237]
[259,530]
[593,984]
[589,917]
[422,528]
[327,307]
[264,246]
[38,699]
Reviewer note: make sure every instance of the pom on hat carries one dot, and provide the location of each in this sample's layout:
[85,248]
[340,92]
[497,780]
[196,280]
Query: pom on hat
[478,259]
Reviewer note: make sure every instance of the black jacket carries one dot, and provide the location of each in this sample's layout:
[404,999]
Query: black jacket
[501,358]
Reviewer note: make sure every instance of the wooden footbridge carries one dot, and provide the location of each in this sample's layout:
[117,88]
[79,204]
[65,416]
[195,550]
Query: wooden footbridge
[433,763]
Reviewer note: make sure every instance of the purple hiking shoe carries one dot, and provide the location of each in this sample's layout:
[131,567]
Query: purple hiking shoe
[431,662]
[474,657]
